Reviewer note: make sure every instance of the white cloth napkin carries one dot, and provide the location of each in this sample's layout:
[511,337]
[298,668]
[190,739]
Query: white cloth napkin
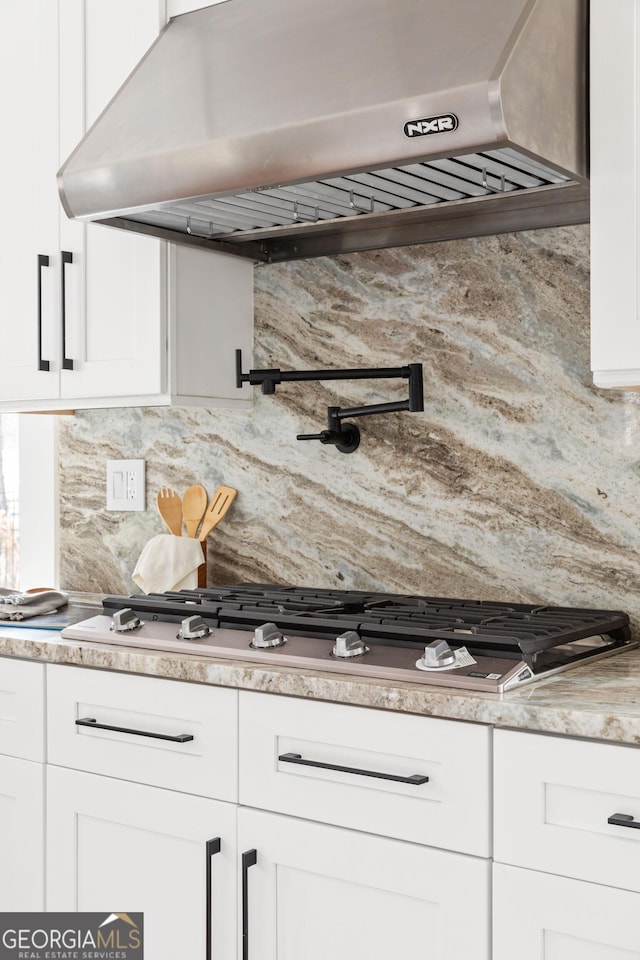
[20,606]
[168,563]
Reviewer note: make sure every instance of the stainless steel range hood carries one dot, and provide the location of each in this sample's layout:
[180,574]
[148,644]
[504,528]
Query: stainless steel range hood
[277,129]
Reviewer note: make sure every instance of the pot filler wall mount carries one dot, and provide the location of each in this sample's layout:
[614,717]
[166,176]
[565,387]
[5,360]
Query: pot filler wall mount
[295,128]
[345,436]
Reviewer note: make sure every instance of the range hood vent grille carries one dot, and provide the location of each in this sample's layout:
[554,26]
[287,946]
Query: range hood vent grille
[257,213]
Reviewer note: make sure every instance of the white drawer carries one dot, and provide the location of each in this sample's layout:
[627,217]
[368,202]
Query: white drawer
[178,735]
[22,709]
[451,809]
[553,798]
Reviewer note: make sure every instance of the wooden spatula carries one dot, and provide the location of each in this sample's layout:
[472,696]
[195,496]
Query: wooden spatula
[220,503]
[194,504]
[170,509]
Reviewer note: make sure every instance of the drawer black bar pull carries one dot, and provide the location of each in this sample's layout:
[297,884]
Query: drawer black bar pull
[213,847]
[416,779]
[90,722]
[624,820]
[249,859]
[43,261]
[67,363]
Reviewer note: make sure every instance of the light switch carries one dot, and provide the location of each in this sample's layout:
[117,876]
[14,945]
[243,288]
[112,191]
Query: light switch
[125,485]
[118,485]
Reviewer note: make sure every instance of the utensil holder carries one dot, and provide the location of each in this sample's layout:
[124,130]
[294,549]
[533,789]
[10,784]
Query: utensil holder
[202,569]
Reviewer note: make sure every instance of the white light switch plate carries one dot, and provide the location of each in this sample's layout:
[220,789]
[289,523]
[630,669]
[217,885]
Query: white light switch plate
[125,485]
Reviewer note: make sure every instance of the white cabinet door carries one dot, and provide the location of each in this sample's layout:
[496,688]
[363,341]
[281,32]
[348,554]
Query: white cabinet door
[540,917]
[118,846]
[317,892]
[83,308]
[21,835]
[28,85]
[115,287]
[615,192]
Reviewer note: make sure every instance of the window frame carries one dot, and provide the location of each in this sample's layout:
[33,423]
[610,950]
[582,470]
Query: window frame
[38,501]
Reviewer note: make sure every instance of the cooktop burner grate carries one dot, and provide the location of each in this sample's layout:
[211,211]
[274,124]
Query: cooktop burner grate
[381,617]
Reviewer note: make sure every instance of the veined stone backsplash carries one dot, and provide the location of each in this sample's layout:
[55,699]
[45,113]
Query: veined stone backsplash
[520,480]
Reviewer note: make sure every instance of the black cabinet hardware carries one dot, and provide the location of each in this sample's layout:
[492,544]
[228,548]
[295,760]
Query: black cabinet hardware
[249,859]
[43,261]
[345,436]
[90,722]
[416,779]
[624,820]
[213,847]
[67,257]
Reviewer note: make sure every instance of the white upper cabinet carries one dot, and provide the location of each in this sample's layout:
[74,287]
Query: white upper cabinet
[96,316]
[615,193]
[29,110]
[114,285]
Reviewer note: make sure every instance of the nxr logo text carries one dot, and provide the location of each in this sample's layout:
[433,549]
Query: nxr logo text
[420,128]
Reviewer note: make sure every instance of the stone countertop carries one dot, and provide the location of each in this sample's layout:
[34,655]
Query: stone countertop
[599,700]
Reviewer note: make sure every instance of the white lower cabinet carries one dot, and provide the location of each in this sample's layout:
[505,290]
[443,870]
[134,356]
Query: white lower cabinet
[21,835]
[537,916]
[123,847]
[566,846]
[312,892]
[262,827]
[22,778]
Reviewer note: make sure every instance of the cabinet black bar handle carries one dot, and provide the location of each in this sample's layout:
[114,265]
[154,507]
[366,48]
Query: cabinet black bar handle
[90,722]
[67,363]
[624,820]
[415,779]
[43,261]
[213,847]
[249,859]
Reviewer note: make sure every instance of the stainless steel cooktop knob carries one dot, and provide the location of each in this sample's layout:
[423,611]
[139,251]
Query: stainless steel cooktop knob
[193,628]
[349,644]
[266,636]
[125,620]
[438,654]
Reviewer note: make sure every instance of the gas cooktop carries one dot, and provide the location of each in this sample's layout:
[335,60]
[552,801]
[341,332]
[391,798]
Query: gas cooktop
[481,645]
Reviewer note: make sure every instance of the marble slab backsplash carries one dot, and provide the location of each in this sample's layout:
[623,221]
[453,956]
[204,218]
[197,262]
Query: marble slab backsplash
[520,480]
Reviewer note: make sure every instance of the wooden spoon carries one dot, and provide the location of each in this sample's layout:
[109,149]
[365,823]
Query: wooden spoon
[220,503]
[194,504]
[170,509]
